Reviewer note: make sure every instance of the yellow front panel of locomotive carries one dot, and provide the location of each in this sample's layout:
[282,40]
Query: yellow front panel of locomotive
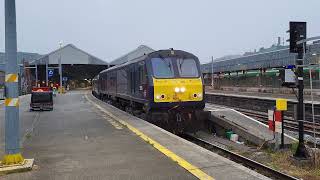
[178,90]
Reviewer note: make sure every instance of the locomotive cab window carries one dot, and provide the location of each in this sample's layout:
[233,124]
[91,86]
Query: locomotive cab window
[187,68]
[162,67]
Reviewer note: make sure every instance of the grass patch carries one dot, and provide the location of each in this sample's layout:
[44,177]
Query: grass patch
[282,160]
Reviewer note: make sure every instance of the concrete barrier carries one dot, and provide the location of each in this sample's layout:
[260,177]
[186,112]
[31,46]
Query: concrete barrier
[246,127]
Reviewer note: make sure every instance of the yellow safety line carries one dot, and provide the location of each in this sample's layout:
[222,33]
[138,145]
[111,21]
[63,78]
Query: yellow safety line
[114,123]
[183,163]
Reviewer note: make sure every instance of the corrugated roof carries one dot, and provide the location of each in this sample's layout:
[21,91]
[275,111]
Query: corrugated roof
[90,60]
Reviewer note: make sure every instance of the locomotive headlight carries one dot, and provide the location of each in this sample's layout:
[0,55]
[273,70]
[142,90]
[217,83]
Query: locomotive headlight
[183,89]
[199,95]
[158,97]
[176,89]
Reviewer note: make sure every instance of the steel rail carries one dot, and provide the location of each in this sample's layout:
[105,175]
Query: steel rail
[261,168]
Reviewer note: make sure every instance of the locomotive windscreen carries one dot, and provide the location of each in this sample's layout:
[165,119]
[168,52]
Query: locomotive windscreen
[162,67]
[166,67]
[187,68]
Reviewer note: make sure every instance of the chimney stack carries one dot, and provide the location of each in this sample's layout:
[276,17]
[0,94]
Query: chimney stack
[279,41]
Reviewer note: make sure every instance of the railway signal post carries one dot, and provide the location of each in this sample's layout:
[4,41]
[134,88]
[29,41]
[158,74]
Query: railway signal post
[297,33]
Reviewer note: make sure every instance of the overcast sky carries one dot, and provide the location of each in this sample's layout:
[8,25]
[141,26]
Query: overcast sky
[109,29]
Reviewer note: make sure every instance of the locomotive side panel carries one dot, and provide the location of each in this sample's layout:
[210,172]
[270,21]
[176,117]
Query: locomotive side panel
[102,83]
[122,81]
[112,83]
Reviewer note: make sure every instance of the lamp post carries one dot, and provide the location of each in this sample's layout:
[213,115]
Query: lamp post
[212,71]
[60,67]
[12,129]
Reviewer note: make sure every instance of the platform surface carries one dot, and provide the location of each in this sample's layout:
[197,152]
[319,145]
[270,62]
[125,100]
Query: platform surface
[78,141]
[210,163]
[247,127]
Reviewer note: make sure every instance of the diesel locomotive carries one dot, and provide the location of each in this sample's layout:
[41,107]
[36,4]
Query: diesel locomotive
[164,87]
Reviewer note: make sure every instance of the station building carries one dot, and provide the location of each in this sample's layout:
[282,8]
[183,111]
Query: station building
[22,58]
[78,67]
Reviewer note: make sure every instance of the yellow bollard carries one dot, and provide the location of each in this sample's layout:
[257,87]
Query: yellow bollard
[12,159]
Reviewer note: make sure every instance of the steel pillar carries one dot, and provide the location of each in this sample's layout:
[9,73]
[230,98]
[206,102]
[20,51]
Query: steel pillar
[60,69]
[47,78]
[301,152]
[36,72]
[12,135]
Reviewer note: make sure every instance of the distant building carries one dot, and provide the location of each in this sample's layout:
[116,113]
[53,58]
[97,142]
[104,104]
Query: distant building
[140,51]
[78,66]
[265,58]
[22,56]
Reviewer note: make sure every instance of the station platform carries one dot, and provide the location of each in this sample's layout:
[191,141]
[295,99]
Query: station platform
[269,96]
[248,128]
[84,138]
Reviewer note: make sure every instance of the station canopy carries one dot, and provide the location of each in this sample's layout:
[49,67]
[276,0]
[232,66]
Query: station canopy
[77,65]
[70,55]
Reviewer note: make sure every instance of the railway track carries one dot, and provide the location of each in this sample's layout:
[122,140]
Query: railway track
[289,122]
[262,104]
[260,168]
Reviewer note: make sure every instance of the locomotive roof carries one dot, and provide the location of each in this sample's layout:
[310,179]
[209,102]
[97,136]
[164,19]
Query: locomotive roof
[145,56]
